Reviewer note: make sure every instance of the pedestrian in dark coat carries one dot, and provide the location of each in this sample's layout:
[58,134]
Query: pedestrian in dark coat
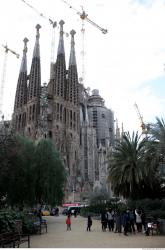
[118,220]
[89,223]
[104,221]
[132,221]
[126,221]
[39,214]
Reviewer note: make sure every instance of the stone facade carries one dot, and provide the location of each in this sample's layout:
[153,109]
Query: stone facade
[79,124]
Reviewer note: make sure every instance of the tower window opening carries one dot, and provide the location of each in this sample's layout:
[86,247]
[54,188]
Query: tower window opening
[65,115]
[30,113]
[70,118]
[33,114]
[103,141]
[50,134]
[61,108]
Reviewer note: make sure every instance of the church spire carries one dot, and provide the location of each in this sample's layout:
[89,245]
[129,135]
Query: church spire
[21,92]
[61,40]
[72,73]
[35,72]
[72,59]
[60,67]
[36,51]
[23,67]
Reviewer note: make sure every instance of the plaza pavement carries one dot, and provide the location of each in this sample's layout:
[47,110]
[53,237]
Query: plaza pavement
[78,237]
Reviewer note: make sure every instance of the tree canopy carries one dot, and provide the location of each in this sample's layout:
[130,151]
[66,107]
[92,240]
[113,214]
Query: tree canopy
[50,173]
[31,172]
[133,167]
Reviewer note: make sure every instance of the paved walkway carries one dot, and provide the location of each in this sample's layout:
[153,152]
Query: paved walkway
[58,237]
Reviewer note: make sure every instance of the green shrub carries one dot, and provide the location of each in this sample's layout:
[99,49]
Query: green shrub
[8,217]
[7,221]
[27,222]
[147,204]
[151,207]
[159,214]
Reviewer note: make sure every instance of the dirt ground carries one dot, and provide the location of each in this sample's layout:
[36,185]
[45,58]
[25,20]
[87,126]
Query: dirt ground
[78,237]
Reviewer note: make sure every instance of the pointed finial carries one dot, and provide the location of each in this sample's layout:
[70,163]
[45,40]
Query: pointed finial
[61,23]
[72,32]
[72,59]
[25,40]
[38,26]
[54,24]
[61,41]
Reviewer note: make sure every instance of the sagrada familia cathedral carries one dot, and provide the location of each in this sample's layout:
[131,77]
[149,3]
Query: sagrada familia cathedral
[79,124]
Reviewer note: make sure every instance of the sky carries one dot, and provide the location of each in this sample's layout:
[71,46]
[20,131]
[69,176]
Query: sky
[127,64]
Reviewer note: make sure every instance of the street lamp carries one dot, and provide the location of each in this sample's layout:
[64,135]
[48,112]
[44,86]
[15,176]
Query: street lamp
[73,195]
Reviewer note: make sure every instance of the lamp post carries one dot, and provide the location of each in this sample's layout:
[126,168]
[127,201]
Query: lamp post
[73,195]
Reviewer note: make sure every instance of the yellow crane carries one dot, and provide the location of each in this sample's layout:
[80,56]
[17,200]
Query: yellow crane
[84,16]
[142,124]
[7,49]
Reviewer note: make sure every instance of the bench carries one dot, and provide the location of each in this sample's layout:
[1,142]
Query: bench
[40,226]
[12,239]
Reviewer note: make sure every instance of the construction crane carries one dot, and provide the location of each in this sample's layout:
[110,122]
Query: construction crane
[7,49]
[51,22]
[142,124]
[84,16]
[54,25]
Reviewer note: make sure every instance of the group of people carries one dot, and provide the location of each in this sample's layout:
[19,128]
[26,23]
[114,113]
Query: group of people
[129,220]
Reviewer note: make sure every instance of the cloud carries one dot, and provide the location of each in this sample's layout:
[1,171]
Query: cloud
[144,3]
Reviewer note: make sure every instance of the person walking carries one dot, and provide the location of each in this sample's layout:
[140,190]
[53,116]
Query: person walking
[138,220]
[68,222]
[39,214]
[104,221]
[110,219]
[89,223]
[126,221]
[118,220]
[132,221]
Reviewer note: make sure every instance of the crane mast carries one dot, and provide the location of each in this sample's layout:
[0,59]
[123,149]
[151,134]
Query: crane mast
[143,126]
[84,16]
[7,49]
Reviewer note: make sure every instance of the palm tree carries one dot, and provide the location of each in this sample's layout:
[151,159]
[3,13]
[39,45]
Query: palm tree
[158,134]
[132,161]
